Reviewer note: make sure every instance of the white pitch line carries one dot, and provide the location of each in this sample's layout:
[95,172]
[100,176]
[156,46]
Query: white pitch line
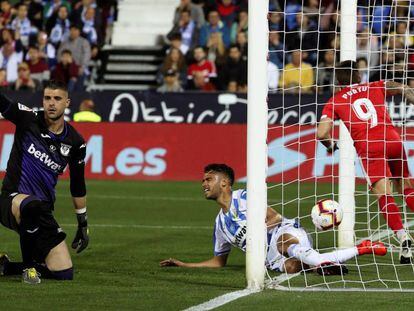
[138,226]
[222,300]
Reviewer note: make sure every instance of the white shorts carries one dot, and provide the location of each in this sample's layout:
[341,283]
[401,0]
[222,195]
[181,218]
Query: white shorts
[275,260]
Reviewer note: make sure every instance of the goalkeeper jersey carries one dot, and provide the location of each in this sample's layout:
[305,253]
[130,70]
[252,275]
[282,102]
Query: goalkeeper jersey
[38,156]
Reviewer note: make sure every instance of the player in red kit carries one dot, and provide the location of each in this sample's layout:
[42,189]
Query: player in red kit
[361,106]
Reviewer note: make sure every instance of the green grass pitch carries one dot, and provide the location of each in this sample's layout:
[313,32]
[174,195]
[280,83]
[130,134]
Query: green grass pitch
[134,225]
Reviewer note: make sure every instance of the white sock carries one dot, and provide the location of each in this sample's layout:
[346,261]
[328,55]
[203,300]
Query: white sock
[401,234]
[311,257]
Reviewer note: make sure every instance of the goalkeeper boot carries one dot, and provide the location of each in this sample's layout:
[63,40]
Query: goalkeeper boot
[4,259]
[369,247]
[406,255]
[31,276]
[331,268]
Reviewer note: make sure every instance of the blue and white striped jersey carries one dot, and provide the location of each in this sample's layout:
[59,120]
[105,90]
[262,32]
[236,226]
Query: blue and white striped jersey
[230,227]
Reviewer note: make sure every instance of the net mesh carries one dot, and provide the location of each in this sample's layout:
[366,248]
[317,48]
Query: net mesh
[304,45]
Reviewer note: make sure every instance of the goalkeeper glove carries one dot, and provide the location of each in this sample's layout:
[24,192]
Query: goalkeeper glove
[81,240]
[333,147]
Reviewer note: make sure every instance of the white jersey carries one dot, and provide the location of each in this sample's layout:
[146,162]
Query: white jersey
[230,230]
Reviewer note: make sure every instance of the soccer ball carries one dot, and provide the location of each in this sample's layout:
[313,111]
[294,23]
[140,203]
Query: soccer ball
[326,214]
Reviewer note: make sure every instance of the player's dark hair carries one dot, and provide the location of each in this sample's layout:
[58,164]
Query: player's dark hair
[221,168]
[347,73]
[56,85]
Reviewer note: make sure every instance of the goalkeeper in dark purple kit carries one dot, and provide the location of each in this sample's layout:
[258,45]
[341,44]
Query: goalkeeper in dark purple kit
[44,144]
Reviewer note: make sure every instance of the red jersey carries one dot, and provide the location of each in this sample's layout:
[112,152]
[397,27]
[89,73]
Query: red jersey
[362,109]
[207,68]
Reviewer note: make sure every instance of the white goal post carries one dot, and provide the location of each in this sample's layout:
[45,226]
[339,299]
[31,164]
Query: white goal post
[256,143]
[346,147]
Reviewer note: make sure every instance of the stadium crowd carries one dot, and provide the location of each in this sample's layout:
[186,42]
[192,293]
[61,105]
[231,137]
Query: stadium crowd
[59,39]
[207,45]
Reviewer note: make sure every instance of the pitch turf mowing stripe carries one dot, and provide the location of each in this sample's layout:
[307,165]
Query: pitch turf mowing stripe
[143,226]
[222,300]
[169,198]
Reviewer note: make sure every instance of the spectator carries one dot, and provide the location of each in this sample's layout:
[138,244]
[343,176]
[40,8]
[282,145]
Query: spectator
[175,60]
[305,37]
[401,35]
[368,47]
[81,51]
[87,112]
[241,42]
[22,25]
[207,68]
[200,83]
[67,70]
[275,21]
[176,42]
[196,12]
[39,69]
[313,9]
[297,76]
[88,26]
[24,81]
[4,85]
[10,60]
[52,7]
[47,50]
[240,26]
[276,52]
[216,50]
[7,12]
[232,86]
[362,66]
[35,13]
[80,10]
[325,72]
[7,37]
[214,24]
[272,76]
[188,30]
[171,83]
[234,69]
[59,26]
[228,11]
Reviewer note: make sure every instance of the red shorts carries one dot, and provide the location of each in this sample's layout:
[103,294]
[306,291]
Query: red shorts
[383,160]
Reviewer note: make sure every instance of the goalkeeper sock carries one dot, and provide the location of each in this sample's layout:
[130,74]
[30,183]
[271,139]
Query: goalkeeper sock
[311,257]
[390,212]
[30,209]
[409,198]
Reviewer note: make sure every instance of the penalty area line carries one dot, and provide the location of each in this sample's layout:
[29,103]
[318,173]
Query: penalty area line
[222,300]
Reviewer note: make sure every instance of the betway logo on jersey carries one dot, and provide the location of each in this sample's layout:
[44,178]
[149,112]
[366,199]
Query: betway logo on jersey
[44,157]
[240,236]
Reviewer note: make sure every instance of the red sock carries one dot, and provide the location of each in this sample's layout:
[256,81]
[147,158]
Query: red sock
[409,198]
[390,212]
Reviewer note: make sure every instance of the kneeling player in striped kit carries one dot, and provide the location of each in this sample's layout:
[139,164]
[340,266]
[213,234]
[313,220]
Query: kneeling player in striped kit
[290,248]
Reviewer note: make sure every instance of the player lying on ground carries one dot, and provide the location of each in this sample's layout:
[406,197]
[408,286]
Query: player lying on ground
[290,249]
[43,145]
[380,148]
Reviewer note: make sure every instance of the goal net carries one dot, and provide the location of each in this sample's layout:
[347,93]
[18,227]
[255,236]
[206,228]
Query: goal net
[307,39]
